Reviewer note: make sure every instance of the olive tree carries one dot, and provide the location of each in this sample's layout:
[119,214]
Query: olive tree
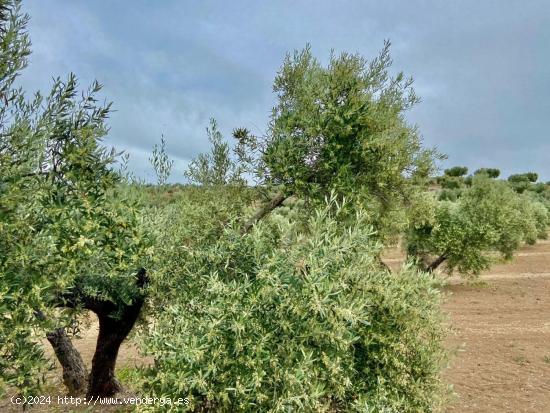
[291,310]
[67,242]
[488,217]
[289,317]
[490,172]
[341,127]
[523,182]
[216,167]
[456,171]
[161,162]
[528,176]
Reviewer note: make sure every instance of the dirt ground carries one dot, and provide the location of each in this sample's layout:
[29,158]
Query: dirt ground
[501,337]
[128,357]
[499,340]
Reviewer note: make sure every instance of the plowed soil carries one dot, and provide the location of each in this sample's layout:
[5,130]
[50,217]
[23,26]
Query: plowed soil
[501,337]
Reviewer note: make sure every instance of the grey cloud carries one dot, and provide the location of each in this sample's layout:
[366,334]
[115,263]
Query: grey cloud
[482,68]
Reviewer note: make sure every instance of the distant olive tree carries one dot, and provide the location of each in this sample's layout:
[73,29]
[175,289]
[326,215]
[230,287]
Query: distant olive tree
[453,182]
[216,167]
[523,182]
[488,217]
[490,172]
[525,177]
[161,162]
[456,171]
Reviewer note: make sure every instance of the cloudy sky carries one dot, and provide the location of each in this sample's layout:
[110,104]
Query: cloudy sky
[481,67]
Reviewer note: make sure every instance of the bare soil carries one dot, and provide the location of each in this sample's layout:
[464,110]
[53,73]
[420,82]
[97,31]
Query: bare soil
[501,337]
[499,340]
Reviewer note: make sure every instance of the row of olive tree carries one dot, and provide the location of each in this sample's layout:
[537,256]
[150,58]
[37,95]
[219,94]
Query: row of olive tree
[455,179]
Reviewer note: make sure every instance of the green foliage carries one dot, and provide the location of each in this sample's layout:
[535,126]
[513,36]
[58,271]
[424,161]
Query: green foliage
[342,128]
[201,214]
[449,195]
[216,167]
[451,183]
[539,188]
[488,217]
[452,186]
[161,163]
[285,319]
[62,226]
[456,171]
[525,177]
[540,211]
[15,47]
[490,172]
[524,182]
[421,209]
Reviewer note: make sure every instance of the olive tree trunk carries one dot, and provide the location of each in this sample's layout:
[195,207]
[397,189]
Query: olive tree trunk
[75,375]
[115,323]
[436,263]
[112,332]
[116,320]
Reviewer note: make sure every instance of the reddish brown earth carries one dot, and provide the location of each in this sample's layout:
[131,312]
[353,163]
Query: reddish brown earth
[499,340]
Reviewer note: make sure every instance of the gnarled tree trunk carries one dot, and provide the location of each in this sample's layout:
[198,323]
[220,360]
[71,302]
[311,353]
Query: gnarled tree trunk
[112,332]
[75,375]
[115,324]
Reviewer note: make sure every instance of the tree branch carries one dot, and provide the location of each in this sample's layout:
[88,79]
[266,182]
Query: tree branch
[436,263]
[27,175]
[273,203]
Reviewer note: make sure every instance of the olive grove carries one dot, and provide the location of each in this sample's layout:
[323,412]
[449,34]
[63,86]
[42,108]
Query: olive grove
[261,284]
